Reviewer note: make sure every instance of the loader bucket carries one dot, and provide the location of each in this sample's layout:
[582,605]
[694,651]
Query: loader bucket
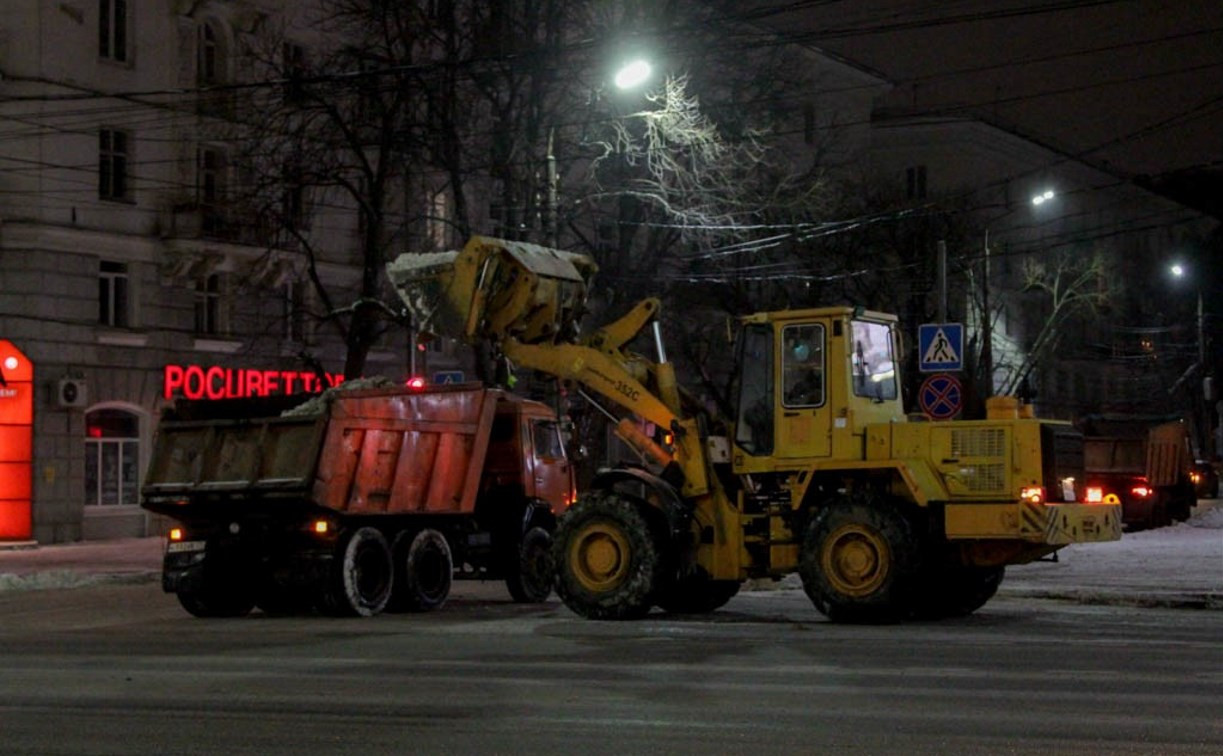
[494,288]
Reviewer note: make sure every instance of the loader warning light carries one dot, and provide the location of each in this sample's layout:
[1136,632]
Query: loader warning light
[416,383]
[1033,494]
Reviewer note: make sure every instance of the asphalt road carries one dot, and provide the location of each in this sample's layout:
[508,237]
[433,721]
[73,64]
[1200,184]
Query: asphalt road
[121,669]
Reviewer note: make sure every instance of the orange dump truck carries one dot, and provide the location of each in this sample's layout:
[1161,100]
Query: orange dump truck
[1143,463]
[357,500]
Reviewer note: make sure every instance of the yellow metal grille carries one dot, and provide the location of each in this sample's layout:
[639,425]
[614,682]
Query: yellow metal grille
[978,442]
[986,478]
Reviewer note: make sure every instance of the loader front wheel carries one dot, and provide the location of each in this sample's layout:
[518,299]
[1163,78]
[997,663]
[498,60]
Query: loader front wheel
[858,561]
[607,563]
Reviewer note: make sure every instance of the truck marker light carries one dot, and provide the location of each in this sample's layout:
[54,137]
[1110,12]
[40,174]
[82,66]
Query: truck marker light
[321,527]
[1034,494]
[176,534]
[1095,495]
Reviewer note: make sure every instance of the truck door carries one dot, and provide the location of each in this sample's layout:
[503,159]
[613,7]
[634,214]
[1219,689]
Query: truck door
[804,422]
[551,476]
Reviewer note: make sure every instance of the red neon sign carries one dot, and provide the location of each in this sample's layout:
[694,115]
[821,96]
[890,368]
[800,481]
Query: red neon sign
[16,442]
[216,382]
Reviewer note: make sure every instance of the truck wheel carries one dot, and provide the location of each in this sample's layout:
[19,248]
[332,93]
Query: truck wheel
[424,570]
[362,581]
[697,594]
[606,560]
[531,576]
[956,590]
[858,559]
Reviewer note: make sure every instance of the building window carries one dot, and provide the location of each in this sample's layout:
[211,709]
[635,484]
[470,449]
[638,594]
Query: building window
[208,57]
[210,185]
[112,458]
[916,180]
[112,294]
[809,123]
[112,30]
[209,305]
[437,223]
[112,164]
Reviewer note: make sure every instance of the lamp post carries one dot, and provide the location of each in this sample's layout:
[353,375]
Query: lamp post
[1206,439]
[629,76]
[987,332]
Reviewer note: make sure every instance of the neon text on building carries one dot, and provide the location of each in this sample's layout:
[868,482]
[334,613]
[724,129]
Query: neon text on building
[216,382]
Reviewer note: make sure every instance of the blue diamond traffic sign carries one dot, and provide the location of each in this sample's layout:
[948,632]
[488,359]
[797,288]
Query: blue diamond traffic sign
[940,347]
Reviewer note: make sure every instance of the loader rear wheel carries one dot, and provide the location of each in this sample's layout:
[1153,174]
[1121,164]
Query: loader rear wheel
[533,573]
[956,590]
[424,570]
[858,561]
[607,563]
[362,579]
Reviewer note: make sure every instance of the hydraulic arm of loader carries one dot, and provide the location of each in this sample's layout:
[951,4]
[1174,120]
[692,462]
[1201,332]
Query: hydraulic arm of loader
[527,300]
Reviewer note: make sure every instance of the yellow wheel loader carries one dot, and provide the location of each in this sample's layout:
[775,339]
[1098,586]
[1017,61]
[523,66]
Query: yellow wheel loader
[819,472]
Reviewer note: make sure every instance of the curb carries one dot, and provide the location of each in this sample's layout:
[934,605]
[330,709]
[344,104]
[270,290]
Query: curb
[49,580]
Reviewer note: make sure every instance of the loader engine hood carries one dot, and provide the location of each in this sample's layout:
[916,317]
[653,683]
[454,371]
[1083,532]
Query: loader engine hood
[493,289]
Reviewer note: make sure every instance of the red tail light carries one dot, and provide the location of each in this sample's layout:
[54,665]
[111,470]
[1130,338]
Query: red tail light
[416,383]
[1141,492]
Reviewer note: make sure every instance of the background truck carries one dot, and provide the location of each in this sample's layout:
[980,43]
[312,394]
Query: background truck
[817,472]
[358,500]
[1142,462]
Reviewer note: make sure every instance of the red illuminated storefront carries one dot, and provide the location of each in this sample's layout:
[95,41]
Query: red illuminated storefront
[16,442]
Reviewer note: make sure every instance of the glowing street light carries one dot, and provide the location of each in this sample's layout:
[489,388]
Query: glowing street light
[633,74]
[1043,197]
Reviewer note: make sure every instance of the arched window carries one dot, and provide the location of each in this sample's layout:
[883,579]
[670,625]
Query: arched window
[112,458]
[210,63]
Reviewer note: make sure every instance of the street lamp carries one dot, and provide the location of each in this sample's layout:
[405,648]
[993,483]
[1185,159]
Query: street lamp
[633,74]
[630,76]
[1206,432]
[987,334]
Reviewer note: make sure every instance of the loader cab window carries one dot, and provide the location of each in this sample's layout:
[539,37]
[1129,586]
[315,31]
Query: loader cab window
[754,418]
[874,367]
[802,365]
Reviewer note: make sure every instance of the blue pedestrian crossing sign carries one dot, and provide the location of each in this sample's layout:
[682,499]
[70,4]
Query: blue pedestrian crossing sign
[940,347]
[447,377]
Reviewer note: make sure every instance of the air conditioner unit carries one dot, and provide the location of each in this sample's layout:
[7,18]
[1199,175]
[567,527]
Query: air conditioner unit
[71,393]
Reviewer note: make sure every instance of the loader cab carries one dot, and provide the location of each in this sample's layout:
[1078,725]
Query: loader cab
[808,381]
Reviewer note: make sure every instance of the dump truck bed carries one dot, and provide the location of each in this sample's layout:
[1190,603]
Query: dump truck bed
[369,451]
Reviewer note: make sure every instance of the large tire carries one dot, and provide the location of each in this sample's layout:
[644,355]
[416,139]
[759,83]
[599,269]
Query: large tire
[858,561]
[956,590]
[533,572]
[697,594]
[607,562]
[363,574]
[424,570]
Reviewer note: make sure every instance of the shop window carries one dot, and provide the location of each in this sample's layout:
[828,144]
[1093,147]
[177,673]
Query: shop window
[112,294]
[112,164]
[112,458]
[112,30]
